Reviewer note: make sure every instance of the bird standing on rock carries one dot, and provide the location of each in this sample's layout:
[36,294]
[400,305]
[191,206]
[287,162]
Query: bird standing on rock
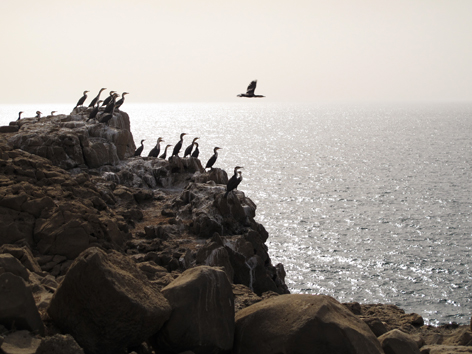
[234,181]
[81,100]
[139,150]
[94,112]
[156,149]
[212,159]
[189,148]
[38,114]
[95,100]
[196,152]
[121,101]
[19,115]
[108,99]
[164,155]
[178,146]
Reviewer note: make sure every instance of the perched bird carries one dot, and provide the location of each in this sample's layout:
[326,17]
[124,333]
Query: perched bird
[196,152]
[139,150]
[164,155]
[189,148]
[250,90]
[81,100]
[156,149]
[234,180]
[95,100]
[178,146]
[38,114]
[19,115]
[93,113]
[212,159]
[52,112]
[111,104]
[108,99]
[121,101]
[105,117]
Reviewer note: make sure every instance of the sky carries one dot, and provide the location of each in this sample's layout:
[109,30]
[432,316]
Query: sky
[209,51]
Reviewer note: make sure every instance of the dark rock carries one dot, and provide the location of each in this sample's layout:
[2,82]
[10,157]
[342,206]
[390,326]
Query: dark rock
[8,263]
[17,306]
[397,342]
[24,255]
[124,312]
[202,317]
[302,324]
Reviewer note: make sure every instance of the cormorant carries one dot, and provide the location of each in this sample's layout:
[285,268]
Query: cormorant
[156,149]
[196,151]
[108,99]
[178,146]
[95,100]
[38,114]
[234,180]
[94,112]
[111,104]
[121,101]
[81,100]
[139,150]
[52,112]
[105,118]
[164,155]
[19,115]
[250,90]
[212,159]
[189,148]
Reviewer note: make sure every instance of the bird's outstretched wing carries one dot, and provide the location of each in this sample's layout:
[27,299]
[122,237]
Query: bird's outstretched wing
[251,87]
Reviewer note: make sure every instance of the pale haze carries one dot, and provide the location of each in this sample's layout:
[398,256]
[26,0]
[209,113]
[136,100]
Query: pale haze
[209,51]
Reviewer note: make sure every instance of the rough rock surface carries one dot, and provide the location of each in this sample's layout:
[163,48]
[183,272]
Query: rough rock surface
[302,324]
[202,317]
[397,342]
[17,306]
[59,344]
[20,342]
[107,304]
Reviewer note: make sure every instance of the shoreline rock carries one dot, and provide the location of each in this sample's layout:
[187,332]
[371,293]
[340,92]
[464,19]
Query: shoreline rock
[72,193]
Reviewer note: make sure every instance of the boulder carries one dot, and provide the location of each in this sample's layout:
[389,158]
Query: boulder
[106,303]
[24,255]
[59,344]
[202,317]
[20,342]
[445,349]
[15,226]
[17,306]
[302,324]
[8,263]
[397,342]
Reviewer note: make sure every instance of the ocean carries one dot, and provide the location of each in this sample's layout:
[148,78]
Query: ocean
[366,203]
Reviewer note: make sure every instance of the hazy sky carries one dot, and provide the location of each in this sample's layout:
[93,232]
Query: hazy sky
[173,50]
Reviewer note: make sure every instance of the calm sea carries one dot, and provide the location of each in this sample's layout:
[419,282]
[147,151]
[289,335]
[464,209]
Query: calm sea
[363,203]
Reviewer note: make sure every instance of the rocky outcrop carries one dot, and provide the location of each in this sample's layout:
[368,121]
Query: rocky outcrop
[302,324]
[107,304]
[398,342]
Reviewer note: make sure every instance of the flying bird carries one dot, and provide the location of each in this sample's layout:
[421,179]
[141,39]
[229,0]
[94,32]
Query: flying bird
[250,90]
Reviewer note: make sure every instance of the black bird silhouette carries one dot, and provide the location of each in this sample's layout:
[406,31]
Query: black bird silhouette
[19,115]
[121,101]
[196,152]
[250,90]
[156,149]
[108,99]
[38,114]
[81,100]
[212,159]
[94,111]
[178,146]
[164,155]
[139,150]
[95,100]
[189,148]
[111,104]
[234,181]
